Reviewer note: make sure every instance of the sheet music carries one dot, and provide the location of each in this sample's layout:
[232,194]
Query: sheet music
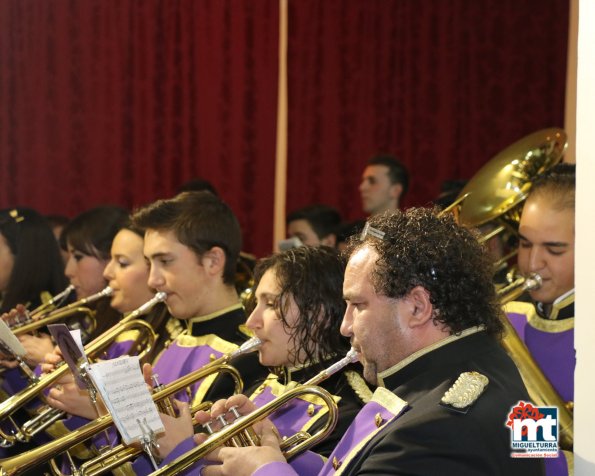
[71,347]
[125,394]
[11,341]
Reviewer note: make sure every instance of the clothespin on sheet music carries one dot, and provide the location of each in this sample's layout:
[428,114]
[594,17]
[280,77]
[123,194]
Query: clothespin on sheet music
[148,441]
[72,350]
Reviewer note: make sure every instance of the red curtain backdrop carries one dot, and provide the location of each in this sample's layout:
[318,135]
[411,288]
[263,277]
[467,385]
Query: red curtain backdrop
[120,101]
[111,101]
[443,85]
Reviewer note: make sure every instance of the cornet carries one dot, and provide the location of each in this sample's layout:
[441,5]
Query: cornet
[41,319]
[12,404]
[291,446]
[30,459]
[54,301]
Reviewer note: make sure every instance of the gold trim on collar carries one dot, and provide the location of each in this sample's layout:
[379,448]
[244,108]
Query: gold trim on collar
[520,307]
[552,327]
[213,315]
[561,304]
[536,321]
[388,400]
[211,340]
[416,355]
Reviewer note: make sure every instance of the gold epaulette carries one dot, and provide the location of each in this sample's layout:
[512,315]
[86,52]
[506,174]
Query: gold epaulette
[359,385]
[174,328]
[465,391]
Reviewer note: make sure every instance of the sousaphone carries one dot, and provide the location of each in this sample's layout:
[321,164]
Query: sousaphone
[497,189]
[493,196]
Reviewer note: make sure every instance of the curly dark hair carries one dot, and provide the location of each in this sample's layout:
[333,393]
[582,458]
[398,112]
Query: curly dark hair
[421,248]
[313,277]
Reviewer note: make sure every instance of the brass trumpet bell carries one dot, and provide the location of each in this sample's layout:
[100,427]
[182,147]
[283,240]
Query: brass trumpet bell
[505,180]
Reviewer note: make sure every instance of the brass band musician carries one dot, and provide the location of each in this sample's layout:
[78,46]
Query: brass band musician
[546,247]
[424,317]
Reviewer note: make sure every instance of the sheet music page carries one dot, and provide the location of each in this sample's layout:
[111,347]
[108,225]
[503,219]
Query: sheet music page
[124,391]
[72,352]
[10,340]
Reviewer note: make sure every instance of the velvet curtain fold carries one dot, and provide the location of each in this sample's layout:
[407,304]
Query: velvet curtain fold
[110,101]
[443,85]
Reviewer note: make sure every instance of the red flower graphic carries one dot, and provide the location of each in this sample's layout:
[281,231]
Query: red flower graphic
[523,411]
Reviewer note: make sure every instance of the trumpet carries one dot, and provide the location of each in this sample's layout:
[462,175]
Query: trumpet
[30,459]
[236,432]
[54,301]
[540,390]
[12,404]
[121,454]
[40,319]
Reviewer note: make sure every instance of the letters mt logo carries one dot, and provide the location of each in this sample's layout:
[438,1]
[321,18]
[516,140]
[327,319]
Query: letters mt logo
[533,431]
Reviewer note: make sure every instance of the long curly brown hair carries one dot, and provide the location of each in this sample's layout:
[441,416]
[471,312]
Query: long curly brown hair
[313,277]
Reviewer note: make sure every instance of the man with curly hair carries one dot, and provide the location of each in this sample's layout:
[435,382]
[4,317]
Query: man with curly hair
[424,318]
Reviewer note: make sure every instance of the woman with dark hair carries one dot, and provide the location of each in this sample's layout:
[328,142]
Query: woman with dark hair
[29,251]
[30,266]
[298,311]
[300,293]
[30,262]
[127,274]
[88,239]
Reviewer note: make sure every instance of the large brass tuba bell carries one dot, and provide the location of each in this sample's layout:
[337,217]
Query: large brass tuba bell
[504,182]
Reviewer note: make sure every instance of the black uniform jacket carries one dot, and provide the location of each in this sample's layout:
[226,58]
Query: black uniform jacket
[432,439]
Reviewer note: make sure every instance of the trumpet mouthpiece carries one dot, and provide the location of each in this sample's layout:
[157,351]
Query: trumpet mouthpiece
[160,296]
[352,356]
[107,291]
[248,346]
[533,282]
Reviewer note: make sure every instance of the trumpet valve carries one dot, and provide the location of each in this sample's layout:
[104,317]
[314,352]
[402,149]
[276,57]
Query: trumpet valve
[221,419]
[208,427]
[165,406]
[248,436]
[235,441]
[18,319]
